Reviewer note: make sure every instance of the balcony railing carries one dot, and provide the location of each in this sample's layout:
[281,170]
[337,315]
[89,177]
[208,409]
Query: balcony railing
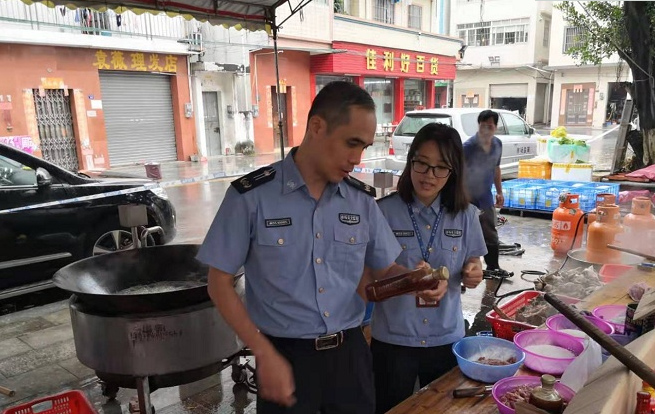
[84,21]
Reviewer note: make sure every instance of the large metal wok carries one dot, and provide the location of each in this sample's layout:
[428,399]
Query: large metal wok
[144,280]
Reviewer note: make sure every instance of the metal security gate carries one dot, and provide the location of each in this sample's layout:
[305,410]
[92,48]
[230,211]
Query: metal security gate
[55,123]
[138,110]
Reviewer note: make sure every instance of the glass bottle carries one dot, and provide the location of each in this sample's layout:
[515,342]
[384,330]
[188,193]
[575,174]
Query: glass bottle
[546,397]
[414,281]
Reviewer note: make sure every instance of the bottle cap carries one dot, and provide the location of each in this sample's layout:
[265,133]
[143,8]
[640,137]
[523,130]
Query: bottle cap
[548,380]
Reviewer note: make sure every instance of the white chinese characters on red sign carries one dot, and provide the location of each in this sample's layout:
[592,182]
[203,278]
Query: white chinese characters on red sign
[406,62]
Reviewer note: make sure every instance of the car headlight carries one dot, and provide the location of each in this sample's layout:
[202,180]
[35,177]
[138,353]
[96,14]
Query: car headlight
[159,192]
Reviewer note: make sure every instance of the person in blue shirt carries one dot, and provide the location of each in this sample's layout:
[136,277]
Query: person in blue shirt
[433,221]
[482,154]
[305,232]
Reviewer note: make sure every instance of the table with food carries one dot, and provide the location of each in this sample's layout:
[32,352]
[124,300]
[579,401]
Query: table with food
[579,343]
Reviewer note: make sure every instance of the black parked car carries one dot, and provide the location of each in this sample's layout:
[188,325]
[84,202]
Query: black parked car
[35,243]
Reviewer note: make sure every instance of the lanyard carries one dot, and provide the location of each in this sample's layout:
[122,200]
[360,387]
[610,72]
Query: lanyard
[425,250]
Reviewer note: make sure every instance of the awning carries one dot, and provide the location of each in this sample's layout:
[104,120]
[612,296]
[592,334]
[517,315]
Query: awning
[246,14]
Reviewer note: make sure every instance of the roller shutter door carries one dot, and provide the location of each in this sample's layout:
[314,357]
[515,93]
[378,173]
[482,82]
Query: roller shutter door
[509,90]
[138,111]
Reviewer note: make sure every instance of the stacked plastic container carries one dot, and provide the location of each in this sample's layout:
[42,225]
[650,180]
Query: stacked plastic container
[543,195]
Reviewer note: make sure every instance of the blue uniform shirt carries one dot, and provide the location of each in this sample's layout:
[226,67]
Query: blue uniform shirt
[397,320]
[303,259]
[480,170]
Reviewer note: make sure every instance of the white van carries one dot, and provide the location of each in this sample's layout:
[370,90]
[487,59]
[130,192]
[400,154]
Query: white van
[519,139]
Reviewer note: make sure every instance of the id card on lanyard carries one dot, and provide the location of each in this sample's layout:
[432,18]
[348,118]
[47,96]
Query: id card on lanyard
[425,250]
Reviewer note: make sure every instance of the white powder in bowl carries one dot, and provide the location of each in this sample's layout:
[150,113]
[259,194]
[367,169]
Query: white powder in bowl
[550,351]
[574,332]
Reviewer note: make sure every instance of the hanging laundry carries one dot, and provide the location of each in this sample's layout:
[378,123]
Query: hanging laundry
[119,20]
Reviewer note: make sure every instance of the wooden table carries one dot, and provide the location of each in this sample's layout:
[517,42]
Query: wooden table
[437,397]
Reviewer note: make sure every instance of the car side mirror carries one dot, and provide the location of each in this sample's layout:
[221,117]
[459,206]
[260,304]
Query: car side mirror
[43,178]
[531,130]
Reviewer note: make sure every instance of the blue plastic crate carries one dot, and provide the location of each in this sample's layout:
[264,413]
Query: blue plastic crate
[524,196]
[548,196]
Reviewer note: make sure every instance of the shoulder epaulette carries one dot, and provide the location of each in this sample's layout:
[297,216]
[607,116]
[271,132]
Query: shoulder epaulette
[360,185]
[254,179]
[391,194]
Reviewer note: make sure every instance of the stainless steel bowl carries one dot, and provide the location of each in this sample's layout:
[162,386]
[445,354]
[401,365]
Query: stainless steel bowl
[580,256]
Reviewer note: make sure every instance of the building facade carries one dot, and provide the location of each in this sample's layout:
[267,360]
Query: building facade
[91,90]
[507,46]
[583,95]
[392,49]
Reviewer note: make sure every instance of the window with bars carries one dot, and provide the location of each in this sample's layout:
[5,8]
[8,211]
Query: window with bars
[384,11]
[501,32]
[415,14]
[573,37]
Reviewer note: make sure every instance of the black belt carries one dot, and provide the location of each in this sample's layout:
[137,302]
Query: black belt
[323,342]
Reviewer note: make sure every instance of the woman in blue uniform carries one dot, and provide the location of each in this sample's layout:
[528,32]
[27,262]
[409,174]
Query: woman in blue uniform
[434,223]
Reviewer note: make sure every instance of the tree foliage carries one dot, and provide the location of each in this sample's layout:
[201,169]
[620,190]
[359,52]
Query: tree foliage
[628,29]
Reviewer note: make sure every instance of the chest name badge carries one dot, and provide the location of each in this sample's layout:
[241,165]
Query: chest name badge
[452,232]
[349,219]
[403,233]
[278,222]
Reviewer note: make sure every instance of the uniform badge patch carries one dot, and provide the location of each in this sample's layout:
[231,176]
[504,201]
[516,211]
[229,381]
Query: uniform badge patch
[452,232]
[278,222]
[403,233]
[349,219]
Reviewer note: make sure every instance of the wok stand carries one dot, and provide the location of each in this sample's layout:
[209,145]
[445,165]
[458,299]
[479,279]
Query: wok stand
[148,339]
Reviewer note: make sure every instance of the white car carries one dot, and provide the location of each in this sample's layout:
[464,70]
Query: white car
[519,139]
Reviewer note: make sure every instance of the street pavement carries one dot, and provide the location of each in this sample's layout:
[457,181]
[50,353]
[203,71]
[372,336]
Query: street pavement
[37,352]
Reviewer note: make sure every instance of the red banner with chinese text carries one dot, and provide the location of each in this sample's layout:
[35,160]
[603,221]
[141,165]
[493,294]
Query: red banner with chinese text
[365,60]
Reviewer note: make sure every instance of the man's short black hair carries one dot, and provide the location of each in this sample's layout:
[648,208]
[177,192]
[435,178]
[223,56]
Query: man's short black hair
[488,114]
[333,103]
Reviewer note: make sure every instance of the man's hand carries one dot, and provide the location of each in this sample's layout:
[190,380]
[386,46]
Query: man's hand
[275,378]
[436,294]
[432,295]
[500,200]
[472,274]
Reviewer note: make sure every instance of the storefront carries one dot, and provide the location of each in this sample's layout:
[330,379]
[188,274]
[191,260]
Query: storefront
[398,80]
[92,108]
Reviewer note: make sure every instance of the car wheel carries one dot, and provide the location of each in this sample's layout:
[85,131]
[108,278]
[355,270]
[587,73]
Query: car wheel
[112,238]
[112,241]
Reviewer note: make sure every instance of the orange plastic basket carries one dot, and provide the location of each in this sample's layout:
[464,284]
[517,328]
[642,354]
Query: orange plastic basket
[69,402]
[507,329]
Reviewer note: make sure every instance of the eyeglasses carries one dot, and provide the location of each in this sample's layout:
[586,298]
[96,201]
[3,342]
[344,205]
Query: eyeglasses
[438,171]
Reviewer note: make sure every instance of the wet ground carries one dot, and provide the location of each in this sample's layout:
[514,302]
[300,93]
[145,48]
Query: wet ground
[37,352]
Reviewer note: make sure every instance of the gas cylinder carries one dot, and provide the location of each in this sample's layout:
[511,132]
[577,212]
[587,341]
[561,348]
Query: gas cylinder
[603,232]
[601,200]
[638,225]
[566,230]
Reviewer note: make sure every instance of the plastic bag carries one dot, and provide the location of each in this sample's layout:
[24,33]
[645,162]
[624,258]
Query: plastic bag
[575,376]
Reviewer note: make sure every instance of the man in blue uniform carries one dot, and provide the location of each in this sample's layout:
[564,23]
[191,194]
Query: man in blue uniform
[482,153]
[304,230]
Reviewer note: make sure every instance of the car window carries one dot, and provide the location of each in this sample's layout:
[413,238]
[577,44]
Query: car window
[470,123]
[411,124]
[13,173]
[515,125]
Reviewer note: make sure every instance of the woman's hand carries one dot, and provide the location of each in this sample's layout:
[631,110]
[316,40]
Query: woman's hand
[472,273]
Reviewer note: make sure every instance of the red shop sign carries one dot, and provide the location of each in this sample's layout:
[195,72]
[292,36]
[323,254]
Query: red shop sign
[368,60]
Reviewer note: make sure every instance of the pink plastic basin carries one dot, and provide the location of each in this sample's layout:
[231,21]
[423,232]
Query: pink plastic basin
[612,314]
[609,272]
[559,322]
[506,385]
[543,363]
